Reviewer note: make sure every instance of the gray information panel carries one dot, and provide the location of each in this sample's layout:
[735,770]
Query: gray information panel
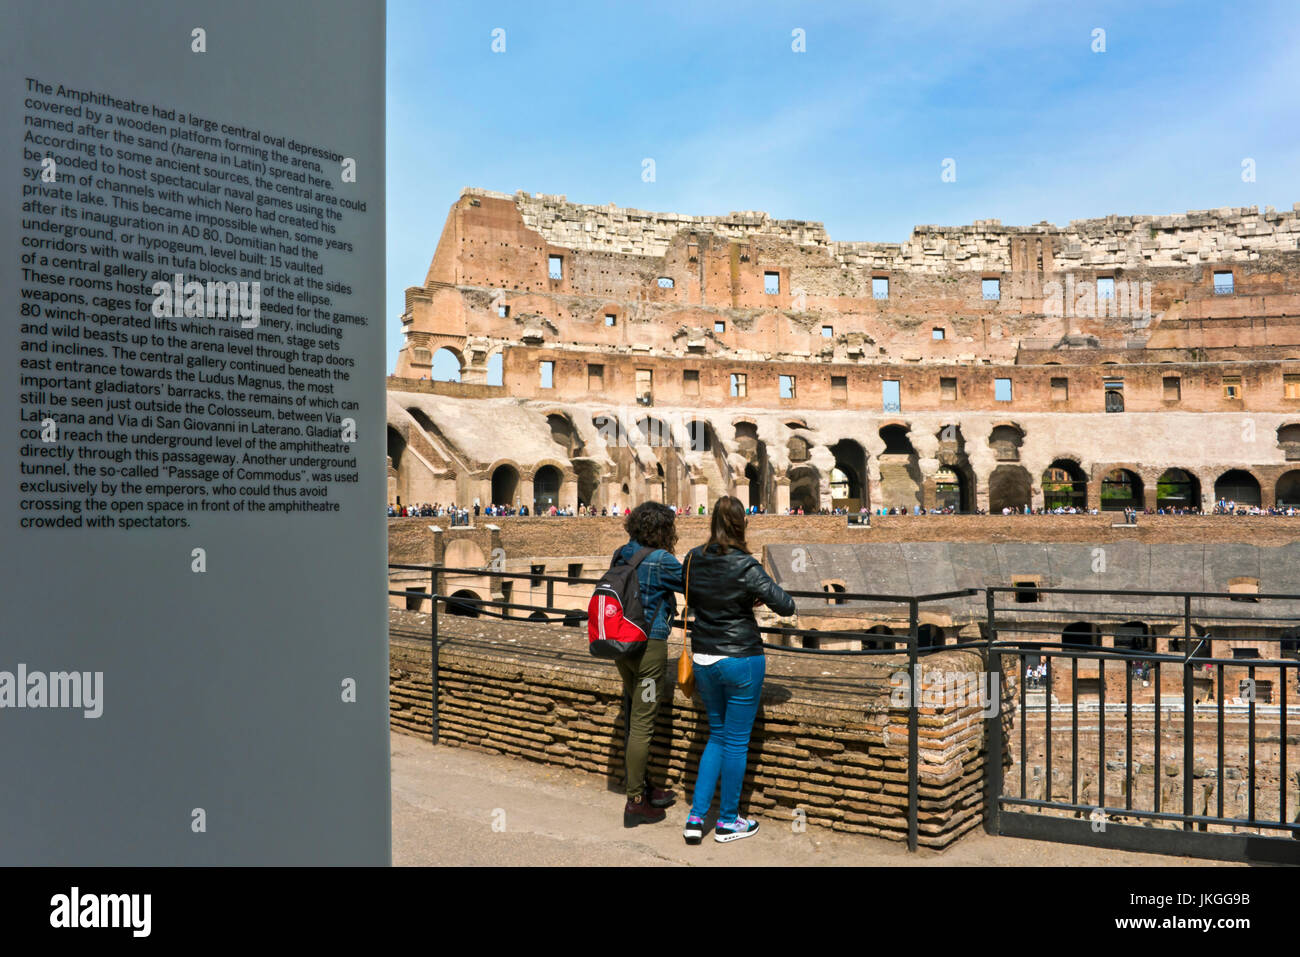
[193,650]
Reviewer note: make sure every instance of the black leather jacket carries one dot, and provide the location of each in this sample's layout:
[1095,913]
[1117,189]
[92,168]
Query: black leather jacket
[721,592]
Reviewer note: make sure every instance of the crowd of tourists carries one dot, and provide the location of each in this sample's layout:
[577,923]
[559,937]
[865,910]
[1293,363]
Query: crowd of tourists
[464,514]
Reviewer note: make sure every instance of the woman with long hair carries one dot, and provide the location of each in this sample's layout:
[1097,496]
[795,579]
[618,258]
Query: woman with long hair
[724,585]
[650,525]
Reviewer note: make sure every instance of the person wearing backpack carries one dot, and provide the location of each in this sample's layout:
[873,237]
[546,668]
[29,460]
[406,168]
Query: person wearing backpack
[650,525]
[726,583]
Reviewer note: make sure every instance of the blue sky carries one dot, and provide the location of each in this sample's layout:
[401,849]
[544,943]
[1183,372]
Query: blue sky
[854,131]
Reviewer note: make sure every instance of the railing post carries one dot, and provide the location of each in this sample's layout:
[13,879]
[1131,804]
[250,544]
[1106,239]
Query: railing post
[913,728]
[992,727]
[433,651]
[1189,712]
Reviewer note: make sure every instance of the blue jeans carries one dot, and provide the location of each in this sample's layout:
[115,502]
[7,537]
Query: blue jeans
[731,690]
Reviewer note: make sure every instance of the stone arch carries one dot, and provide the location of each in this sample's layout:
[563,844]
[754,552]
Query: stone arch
[700,435]
[1005,439]
[805,488]
[1288,439]
[494,365]
[954,481]
[564,433]
[547,480]
[929,636]
[655,432]
[463,553]
[1238,485]
[1065,484]
[899,467]
[1134,636]
[441,364]
[849,476]
[1121,488]
[1009,487]
[1178,488]
[1080,633]
[504,479]
[611,428]
[465,602]
[1288,488]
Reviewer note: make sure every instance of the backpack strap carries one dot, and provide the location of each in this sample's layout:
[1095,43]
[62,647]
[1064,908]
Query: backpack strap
[637,559]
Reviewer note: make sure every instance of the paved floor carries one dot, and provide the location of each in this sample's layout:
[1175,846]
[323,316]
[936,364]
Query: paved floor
[453,806]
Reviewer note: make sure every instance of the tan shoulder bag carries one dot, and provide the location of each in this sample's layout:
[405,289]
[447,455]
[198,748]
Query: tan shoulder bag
[685,666]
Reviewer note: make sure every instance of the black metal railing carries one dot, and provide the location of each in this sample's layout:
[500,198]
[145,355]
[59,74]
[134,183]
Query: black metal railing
[1029,628]
[500,608]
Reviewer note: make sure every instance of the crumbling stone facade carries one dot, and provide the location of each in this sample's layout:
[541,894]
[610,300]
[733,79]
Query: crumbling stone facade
[1147,361]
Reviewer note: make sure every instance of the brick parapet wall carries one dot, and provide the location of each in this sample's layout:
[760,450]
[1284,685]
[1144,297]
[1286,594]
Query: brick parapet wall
[827,741]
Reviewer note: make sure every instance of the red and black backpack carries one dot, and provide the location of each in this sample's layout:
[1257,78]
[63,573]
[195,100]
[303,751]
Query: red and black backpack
[616,625]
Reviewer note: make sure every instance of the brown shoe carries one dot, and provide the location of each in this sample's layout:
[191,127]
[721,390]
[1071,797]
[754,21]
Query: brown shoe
[660,797]
[641,811]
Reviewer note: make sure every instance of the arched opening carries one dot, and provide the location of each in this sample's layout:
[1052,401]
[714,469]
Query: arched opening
[611,430]
[798,448]
[396,446]
[546,489]
[746,431]
[951,490]
[505,485]
[447,365]
[1239,486]
[1065,485]
[1288,439]
[900,471]
[1005,440]
[655,432]
[700,435]
[929,636]
[1080,633]
[1288,489]
[1178,488]
[1009,487]
[564,434]
[464,603]
[1121,489]
[1134,636]
[805,489]
[847,488]
[882,643]
[896,440]
[588,473]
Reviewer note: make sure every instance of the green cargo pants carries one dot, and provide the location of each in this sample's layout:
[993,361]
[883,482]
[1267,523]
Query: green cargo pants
[644,686]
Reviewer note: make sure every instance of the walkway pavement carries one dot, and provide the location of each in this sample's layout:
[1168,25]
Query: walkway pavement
[454,806]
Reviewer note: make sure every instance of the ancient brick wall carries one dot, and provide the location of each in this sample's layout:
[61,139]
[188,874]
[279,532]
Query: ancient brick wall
[828,742]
